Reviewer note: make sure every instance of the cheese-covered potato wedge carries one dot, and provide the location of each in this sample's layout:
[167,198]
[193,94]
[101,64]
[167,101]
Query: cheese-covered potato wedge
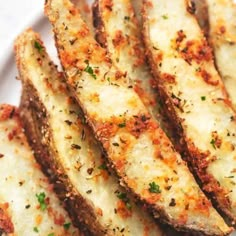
[28,205]
[117,30]
[136,147]
[222,36]
[195,97]
[57,127]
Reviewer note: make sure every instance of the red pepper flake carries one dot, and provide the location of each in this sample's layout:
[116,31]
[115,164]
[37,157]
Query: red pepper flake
[58,218]
[222,29]
[7,111]
[5,221]
[13,133]
[180,36]
[194,50]
[105,131]
[138,124]
[73,11]
[1,155]
[208,78]
[168,78]
[122,210]
[119,39]
[108,4]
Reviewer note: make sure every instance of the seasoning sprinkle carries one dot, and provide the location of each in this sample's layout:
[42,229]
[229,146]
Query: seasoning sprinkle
[38,46]
[89,70]
[41,199]
[154,188]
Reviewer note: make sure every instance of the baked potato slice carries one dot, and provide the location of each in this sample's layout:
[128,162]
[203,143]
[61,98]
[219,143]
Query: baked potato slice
[94,197]
[118,32]
[28,204]
[136,148]
[195,99]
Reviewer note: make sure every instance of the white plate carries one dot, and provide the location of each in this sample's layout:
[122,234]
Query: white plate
[10,87]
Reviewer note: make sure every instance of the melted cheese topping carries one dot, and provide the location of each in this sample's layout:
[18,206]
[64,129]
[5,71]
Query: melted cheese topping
[178,48]
[22,182]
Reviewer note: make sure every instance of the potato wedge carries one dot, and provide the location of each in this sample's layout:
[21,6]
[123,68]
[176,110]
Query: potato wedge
[195,99]
[117,31]
[222,37]
[143,157]
[28,206]
[101,204]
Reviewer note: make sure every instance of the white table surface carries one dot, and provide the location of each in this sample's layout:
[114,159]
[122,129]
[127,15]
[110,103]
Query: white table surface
[15,15]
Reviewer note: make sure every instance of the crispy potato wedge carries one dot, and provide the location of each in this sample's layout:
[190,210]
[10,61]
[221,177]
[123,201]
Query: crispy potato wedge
[196,99]
[28,205]
[136,148]
[117,31]
[101,204]
[222,37]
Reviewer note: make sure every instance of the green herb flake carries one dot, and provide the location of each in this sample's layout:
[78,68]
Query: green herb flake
[154,188]
[121,196]
[127,18]
[51,234]
[230,177]
[41,199]
[89,70]
[203,98]
[165,17]
[102,167]
[38,46]
[36,230]
[213,142]
[122,125]
[128,205]
[67,225]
